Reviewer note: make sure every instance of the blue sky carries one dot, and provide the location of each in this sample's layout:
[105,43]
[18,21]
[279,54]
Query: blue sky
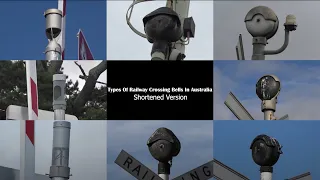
[23,28]
[195,136]
[300,86]
[232,140]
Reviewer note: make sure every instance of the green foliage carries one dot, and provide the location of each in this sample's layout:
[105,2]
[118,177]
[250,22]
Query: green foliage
[13,91]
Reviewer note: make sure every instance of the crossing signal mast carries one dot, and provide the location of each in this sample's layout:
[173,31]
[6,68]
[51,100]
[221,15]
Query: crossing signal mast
[262,23]
[266,152]
[53,30]
[164,145]
[267,89]
[59,169]
[168,29]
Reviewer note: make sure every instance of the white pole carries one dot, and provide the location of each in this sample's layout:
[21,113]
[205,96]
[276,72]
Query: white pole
[181,7]
[266,172]
[266,175]
[164,176]
[27,145]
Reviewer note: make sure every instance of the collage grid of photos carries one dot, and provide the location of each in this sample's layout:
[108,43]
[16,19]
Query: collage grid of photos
[195,90]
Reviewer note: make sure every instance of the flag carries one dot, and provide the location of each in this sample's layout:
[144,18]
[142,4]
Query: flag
[84,52]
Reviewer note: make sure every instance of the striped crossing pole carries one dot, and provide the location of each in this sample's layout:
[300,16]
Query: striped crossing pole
[62,4]
[27,145]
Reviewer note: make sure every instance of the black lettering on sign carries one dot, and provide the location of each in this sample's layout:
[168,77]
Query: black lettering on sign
[203,172]
[137,169]
[206,171]
[194,176]
[128,161]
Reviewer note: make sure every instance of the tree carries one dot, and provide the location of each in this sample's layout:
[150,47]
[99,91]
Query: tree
[89,103]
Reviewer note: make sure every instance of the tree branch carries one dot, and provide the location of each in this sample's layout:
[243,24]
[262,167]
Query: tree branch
[85,94]
[55,66]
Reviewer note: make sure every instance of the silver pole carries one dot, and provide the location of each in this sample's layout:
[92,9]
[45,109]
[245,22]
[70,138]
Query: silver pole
[53,30]
[59,102]
[53,50]
[259,45]
[59,169]
[268,115]
[268,107]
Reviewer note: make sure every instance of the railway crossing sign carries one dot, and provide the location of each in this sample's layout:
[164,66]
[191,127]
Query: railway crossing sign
[239,49]
[304,176]
[203,172]
[135,168]
[223,172]
[235,106]
[213,168]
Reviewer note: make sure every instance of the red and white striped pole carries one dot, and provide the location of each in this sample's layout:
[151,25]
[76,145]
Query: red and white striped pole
[62,4]
[27,145]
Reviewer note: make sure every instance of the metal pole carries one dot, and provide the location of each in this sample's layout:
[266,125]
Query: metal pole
[164,170]
[53,50]
[181,8]
[59,102]
[268,115]
[259,45]
[266,172]
[53,30]
[268,107]
[59,169]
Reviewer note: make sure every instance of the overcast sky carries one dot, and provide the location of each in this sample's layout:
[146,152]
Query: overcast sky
[124,44]
[196,139]
[87,148]
[73,72]
[299,96]
[229,22]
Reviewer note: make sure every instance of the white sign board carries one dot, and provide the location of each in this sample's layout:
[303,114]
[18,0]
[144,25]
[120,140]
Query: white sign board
[14,174]
[305,176]
[14,112]
[285,117]
[237,108]
[203,172]
[134,167]
[239,49]
[223,172]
